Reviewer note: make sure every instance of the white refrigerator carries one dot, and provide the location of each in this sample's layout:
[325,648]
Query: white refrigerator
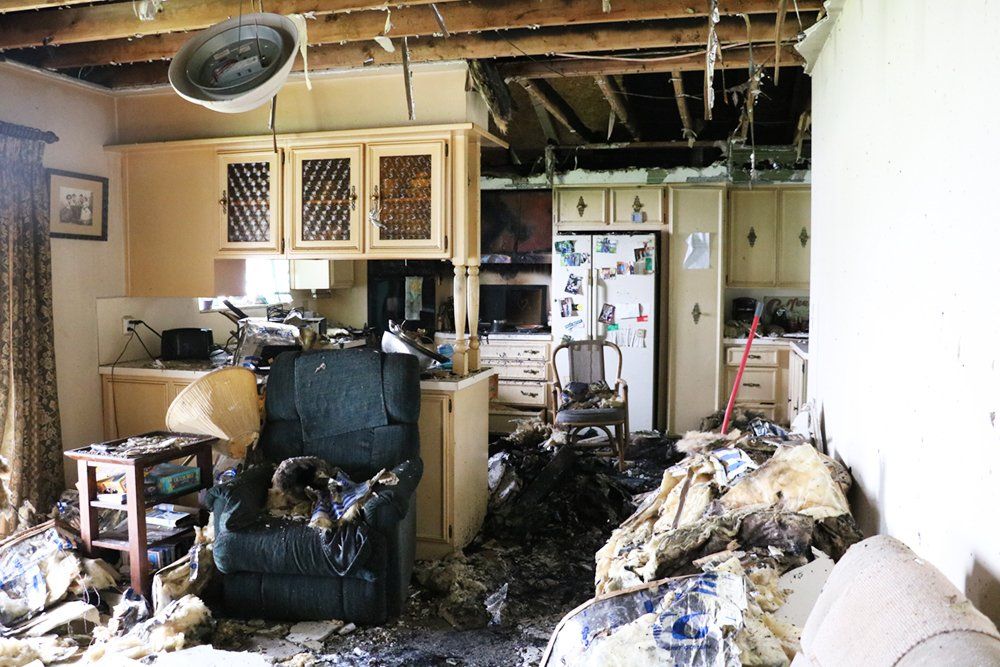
[605,286]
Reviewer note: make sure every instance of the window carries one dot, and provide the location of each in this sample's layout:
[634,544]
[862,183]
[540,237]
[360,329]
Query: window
[267,283]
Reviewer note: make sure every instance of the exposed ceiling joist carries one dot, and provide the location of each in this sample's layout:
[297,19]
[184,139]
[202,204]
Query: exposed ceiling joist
[7,6]
[737,58]
[462,17]
[543,93]
[619,104]
[687,123]
[118,20]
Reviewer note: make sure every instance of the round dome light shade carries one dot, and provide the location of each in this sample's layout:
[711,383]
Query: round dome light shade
[222,404]
[236,65]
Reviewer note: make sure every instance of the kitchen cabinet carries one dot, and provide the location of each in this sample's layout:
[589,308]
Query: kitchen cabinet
[325,212]
[136,404]
[695,313]
[581,208]
[752,244]
[636,206]
[318,275]
[405,198]
[794,237]
[769,235]
[798,366]
[453,492]
[765,381]
[250,202]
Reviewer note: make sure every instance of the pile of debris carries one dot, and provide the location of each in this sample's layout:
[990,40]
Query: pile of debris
[741,510]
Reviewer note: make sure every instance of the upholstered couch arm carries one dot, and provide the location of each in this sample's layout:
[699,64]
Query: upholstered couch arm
[393,502]
[237,503]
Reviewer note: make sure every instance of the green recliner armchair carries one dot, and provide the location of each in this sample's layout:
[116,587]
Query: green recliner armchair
[358,410]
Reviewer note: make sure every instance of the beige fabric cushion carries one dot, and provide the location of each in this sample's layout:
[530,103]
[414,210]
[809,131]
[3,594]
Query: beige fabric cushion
[881,601]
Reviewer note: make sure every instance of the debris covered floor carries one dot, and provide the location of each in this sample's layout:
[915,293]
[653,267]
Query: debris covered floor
[498,603]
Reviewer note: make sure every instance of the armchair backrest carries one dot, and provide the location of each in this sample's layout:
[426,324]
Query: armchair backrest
[356,408]
[586,361]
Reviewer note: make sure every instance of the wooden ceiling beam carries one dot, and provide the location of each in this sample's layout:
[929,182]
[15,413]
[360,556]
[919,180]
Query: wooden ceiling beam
[543,93]
[9,6]
[512,43]
[737,58]
[461,17]
[619,104]
[687,123]
[118,21]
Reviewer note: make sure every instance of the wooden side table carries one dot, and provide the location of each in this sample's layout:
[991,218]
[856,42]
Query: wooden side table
[137,545]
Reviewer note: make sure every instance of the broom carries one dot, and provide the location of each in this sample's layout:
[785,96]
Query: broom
[743,365]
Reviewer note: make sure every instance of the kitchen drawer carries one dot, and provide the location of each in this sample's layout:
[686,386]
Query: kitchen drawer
[524,370]
[759,385]
[522,393]
[759,356]
[504,420]
[519,351]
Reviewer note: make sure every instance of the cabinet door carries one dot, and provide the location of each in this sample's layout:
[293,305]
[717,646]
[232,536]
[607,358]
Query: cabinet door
[250,186]
[436,452]
[794,237]
[135,405]
[580,208]
[752,229]
[325,211]
[406,198]
[636,206]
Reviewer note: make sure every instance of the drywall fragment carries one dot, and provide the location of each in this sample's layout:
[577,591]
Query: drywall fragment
[313,631]
[802,586]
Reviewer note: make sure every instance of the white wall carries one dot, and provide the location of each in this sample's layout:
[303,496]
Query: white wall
[904,352]
[82,271]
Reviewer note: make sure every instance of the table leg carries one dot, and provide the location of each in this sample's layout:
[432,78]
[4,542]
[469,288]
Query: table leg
[88,515]
[139,560]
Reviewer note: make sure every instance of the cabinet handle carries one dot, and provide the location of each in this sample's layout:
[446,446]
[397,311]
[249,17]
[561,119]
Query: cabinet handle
[752,237]
[376,209]
[531,394]
[755,356]
[696,313]
[224,201]
[752,385]
[804,237]
[581,206]
[531,372]
[354,198]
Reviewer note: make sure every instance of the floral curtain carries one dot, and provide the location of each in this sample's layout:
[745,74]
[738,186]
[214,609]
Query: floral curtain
[31,470]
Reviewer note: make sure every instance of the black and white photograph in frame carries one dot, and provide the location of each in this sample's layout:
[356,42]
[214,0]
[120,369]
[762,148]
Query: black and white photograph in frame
[78,205]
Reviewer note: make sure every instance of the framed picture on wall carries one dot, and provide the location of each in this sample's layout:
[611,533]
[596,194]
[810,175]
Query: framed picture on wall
[78,206]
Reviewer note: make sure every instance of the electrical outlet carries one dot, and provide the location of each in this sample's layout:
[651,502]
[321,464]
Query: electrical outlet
[128,325]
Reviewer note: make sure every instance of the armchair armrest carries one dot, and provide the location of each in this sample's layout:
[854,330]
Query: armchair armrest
[237,503]
[621,388]
[394,501]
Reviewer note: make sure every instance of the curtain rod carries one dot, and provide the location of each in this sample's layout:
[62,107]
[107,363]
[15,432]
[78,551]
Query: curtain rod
[25,132]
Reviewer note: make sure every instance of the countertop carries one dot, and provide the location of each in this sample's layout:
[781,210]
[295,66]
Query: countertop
[538,337]
[458,382]
[800,347]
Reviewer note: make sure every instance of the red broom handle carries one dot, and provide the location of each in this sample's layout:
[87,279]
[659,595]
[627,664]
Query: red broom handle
[743,365]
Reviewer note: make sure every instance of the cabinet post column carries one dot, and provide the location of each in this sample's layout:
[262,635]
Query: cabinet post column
[473,296]
[460,362]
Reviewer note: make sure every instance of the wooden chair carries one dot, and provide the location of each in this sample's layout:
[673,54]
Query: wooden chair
[586,365]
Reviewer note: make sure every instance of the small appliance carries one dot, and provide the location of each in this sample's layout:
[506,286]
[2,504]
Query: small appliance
[187,343]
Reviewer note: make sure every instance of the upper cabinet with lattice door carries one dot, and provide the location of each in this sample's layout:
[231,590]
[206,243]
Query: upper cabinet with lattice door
[250,202]
[405,207]
[326,200]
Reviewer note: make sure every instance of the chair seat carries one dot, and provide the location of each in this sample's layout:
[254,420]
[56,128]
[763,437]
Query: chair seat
[283,546]
[586,416]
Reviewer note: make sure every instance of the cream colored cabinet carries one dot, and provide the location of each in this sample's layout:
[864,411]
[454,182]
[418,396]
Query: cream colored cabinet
[797,382]
[453,492]
[765,381]
[318,275]
[794,237]
[752,244]
[137,404]
[694,321]
[636,206]
[406,198]
[325,185]
[769,236]
[250,202]
[581,208]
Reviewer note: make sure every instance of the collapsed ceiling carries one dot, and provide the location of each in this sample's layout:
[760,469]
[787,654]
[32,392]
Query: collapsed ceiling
[572,75]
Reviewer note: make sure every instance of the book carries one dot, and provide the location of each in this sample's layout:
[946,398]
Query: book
[168,515]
